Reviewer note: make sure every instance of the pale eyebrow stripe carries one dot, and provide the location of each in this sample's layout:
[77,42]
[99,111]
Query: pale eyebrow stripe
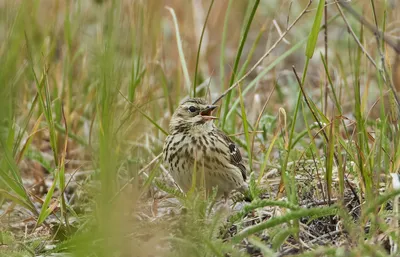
[196,101]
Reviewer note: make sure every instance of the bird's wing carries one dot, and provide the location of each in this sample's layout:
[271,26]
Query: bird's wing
[236,157]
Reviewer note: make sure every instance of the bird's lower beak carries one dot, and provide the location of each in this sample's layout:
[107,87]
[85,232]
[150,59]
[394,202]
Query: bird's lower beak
[206,113]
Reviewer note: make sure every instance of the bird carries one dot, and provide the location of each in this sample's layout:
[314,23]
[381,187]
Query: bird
[195,144]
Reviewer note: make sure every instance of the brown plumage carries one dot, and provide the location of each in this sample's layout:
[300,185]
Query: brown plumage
[194,139]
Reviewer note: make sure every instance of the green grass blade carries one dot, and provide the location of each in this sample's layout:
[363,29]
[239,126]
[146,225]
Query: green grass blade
[329,161]
[16,199]
[313,36]
[238,55]
[44,100]
[256,204]
[15,186]
[281,237]
[45,211]
[245,128]
[272,222]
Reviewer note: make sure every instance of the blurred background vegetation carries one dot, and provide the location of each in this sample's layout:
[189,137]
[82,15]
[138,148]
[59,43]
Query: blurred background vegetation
[88,88]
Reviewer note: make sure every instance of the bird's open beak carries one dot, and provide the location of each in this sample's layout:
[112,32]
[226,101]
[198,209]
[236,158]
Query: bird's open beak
[206,113]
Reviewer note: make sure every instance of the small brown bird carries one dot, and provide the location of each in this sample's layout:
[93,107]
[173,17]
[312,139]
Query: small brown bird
[194,139]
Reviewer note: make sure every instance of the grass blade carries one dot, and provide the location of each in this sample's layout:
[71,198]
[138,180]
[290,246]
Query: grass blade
[145,115]
[313,36]
[46,211]
[264,72]
[180,49]
[199,49]
[329,161]
[238,55]
[223,44]
[314,212]
[245,128]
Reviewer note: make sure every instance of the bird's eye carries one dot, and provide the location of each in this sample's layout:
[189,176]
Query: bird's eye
[192,109]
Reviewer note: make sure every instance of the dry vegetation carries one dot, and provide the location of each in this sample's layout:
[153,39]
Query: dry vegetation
[88,88]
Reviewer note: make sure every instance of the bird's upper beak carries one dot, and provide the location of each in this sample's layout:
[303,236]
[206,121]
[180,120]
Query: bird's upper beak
[206,113]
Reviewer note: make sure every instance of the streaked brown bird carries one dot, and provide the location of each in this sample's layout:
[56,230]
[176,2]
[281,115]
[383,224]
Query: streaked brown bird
[195,144]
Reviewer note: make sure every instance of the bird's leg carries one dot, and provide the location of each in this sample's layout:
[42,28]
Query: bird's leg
[224,207]
[226,198]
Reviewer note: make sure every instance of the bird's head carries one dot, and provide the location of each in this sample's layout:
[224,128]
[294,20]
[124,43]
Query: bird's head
[191,113]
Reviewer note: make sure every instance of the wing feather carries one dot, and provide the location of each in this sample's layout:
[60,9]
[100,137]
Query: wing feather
[236,157]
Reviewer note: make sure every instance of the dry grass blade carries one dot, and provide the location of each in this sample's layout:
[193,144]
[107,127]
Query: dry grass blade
[145,115]
[259,118]
[396,73]
[199,48]
[180,48]
[29,140]
[61,168]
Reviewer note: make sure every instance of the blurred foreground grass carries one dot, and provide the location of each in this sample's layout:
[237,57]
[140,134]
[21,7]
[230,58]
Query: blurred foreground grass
[87,90]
